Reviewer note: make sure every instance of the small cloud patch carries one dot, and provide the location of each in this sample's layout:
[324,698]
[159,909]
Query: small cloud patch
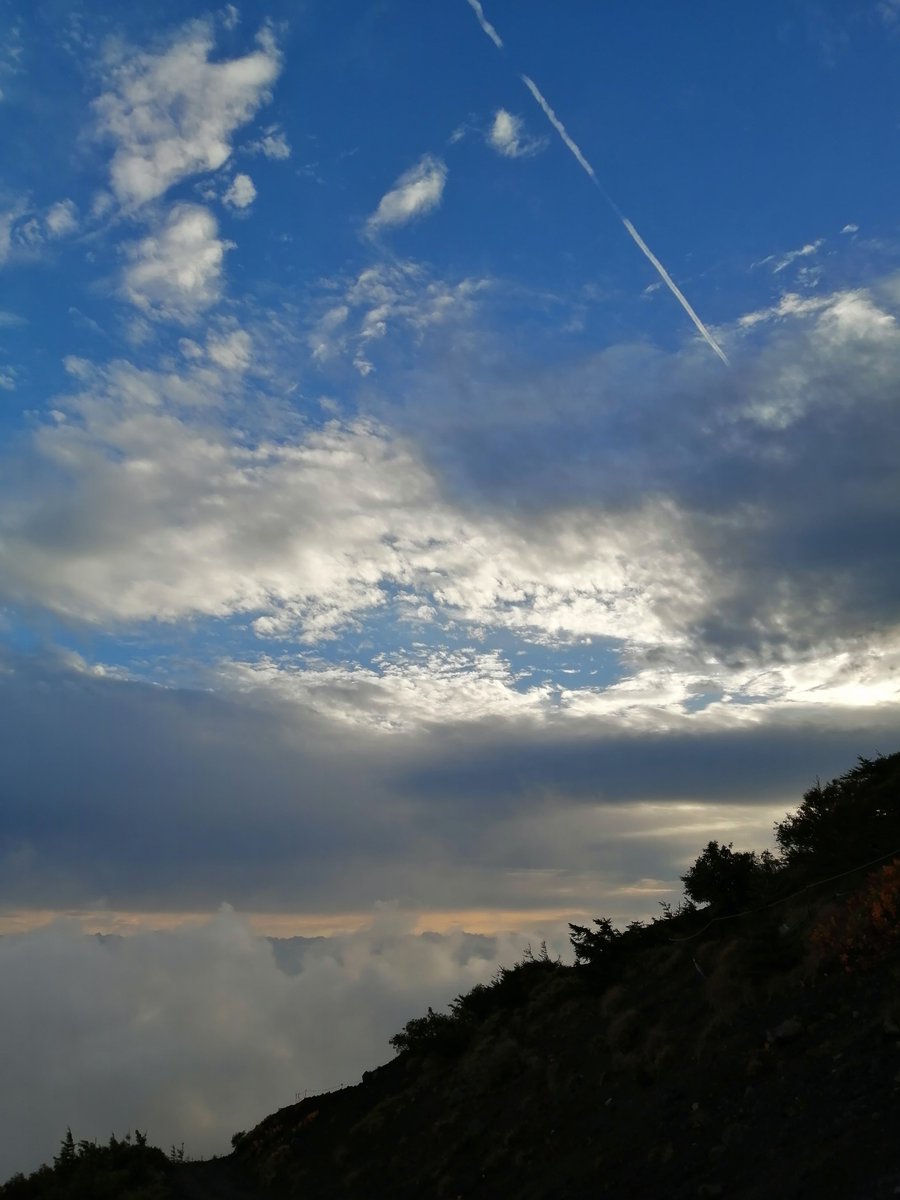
[507,138]
[241,193]
[418,191]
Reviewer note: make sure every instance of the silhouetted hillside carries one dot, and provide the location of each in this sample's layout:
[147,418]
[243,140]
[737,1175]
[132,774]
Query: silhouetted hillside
[745,1045]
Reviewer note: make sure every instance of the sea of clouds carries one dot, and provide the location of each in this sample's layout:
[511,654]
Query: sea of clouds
[195,1033]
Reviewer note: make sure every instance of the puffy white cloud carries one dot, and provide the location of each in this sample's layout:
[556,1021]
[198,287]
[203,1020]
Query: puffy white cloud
[308,533]
[61,219]
[241,193]
[506,136]
[418,191]
[259,527]
[176,271]
[172,114]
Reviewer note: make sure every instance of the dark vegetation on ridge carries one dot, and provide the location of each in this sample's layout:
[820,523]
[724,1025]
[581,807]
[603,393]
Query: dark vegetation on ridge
[744,1044]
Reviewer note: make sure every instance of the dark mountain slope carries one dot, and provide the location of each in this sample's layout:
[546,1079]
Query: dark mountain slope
[750,1048]
[735,1093]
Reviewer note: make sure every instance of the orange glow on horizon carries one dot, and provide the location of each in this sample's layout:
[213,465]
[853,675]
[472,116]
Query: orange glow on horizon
[108,921]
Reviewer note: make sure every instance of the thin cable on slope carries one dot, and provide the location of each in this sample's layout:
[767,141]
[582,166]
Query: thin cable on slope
[784,899]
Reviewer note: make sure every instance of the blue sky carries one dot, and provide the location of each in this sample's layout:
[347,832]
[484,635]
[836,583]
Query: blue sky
[377,412]
[429,501]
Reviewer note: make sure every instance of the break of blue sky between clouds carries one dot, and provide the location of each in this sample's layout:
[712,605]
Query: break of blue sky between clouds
[526,370]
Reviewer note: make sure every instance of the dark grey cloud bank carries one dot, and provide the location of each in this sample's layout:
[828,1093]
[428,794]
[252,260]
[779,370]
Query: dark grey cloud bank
[191,797]
[135,796]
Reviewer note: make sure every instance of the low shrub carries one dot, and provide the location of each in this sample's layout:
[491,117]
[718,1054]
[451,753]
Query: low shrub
[435,1033]
[867,927]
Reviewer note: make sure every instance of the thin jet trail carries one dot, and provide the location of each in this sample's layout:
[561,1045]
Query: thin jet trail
[575,150]
[485,24]
[664,275]
[569,144]
[676,292]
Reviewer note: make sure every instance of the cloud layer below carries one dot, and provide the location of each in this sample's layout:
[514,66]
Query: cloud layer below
[195,1034]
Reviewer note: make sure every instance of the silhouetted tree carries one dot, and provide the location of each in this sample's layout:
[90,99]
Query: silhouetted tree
[724,877]
[67,1153]
[595,947]
[853,817]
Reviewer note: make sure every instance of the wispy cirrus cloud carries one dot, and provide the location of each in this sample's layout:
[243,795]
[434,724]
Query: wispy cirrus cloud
[417,192]
[8,219]
[232,351]
[25,230]
[780,262]
[272,143]
[789,305]
[384,299]
[172,114]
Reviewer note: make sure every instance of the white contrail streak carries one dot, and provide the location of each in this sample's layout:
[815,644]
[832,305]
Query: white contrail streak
[638,240]
[676,291]
[574,149]
[485,24]
[559,127]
